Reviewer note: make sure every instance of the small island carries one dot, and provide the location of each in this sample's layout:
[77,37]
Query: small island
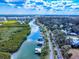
[12,35]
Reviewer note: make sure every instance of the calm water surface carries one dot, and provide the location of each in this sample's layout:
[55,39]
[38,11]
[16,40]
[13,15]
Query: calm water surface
[26,51]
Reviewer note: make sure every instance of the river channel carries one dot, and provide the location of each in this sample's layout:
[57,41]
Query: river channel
[27,49]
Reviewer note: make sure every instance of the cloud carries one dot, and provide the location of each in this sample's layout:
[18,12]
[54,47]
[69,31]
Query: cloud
[51,8]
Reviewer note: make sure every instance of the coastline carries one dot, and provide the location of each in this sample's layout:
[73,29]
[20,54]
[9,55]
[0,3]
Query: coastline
[19,45]
[21,42]
[27,49]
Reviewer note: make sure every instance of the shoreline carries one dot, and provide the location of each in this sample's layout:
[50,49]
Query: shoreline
[30,49]
[18,38]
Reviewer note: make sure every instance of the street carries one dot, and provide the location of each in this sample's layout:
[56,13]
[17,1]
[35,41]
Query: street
[51,56]
[59,55]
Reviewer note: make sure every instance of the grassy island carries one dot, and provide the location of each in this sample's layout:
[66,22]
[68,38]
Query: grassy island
[12,34]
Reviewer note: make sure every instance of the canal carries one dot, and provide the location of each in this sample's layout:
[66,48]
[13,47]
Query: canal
[27,49]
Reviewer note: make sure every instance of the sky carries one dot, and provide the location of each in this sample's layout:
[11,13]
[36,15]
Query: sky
[40,7]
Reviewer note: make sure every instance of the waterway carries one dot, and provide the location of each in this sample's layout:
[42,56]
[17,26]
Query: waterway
[27,49]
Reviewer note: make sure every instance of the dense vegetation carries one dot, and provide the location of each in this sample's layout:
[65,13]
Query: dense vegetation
[45,48]
[4,55]
[12,34]
[56,24]
[69,22]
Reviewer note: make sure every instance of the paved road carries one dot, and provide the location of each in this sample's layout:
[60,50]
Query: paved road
[50,47]
[59,55]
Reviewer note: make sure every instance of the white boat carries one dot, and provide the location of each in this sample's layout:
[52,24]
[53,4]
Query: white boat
[37,50]
[40,41]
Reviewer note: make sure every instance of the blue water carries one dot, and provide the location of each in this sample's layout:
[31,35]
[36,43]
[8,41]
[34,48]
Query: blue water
[35,35]
[27,50]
